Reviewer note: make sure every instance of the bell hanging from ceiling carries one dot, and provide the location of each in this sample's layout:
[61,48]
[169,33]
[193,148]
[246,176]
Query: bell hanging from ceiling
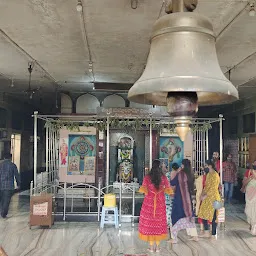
[182,58]
[182,69]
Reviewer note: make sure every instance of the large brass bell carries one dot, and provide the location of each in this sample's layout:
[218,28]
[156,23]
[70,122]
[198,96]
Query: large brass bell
[182,69]
[183,58]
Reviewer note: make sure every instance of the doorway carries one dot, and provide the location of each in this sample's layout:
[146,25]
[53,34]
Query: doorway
[15,150]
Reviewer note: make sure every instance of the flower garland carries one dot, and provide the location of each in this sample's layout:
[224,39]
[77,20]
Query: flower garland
[114,123]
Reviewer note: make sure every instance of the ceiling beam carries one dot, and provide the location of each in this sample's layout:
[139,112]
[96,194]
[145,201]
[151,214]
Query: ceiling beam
[239,63]
[238,15]
[114,87]
[21,50]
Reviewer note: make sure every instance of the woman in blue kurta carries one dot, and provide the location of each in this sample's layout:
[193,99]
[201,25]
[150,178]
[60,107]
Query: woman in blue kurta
[177,205]
[182,212]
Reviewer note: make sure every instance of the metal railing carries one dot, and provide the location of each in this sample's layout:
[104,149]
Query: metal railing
[71,192]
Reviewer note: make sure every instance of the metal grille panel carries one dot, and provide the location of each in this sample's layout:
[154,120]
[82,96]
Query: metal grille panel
[200,150]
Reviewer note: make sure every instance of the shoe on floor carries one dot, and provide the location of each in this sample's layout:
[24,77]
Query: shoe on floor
[213,238]
[158,250]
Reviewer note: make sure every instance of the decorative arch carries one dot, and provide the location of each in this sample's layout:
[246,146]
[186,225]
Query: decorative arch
[66,104]
[87,103]
[114,101]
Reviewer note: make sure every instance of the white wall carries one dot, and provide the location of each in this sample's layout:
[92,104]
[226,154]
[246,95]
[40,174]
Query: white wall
[87,103]
[114,101]
[66,104]
[188,146]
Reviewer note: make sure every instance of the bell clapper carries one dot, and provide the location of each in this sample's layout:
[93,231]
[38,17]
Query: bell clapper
[182,106]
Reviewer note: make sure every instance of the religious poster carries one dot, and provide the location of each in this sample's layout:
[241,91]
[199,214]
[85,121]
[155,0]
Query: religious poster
[171,148]
[81,153]
[73,166]
[77,155]
[64,152]
[164,164]
[89,165]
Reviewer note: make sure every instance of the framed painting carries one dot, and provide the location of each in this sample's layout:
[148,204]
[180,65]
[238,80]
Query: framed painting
[171,148]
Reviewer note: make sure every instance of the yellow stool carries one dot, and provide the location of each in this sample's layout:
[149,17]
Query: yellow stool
[109,205]
[110,200]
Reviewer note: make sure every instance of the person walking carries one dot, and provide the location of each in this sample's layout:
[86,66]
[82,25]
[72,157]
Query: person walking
[249,187]
[229,178]
[182,212]
[152,221]
[210,194]
[216,161]
[8,171]
[200,184]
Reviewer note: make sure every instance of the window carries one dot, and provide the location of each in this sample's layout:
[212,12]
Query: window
[249,123]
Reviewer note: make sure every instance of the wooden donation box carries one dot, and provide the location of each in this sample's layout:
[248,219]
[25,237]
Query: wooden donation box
[41,210]
[2,252]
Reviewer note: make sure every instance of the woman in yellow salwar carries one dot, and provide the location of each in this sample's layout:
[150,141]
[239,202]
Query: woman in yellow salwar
[153,223]
[210,194]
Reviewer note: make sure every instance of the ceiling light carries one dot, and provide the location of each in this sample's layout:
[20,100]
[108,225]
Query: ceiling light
[12,84]
[30,91]
[79,6]
[90,67]
[252,12]
[134,4]
[252,9]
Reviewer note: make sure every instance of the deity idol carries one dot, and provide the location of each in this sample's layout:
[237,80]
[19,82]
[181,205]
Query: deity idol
[63,152]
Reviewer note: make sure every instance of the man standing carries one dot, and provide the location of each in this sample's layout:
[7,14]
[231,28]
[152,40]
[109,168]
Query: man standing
[216,161]
[8,171]
[229,178]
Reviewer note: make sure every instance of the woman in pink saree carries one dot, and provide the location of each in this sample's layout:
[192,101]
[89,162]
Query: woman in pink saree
[249,184]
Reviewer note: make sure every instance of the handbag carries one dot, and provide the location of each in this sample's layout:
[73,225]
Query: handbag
[217,205]
[221,215]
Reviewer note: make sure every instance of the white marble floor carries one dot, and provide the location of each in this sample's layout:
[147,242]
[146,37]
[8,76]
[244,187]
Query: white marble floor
[86,239]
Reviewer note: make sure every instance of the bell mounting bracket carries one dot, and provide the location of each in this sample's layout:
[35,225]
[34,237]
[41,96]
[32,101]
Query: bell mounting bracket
[181,6]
